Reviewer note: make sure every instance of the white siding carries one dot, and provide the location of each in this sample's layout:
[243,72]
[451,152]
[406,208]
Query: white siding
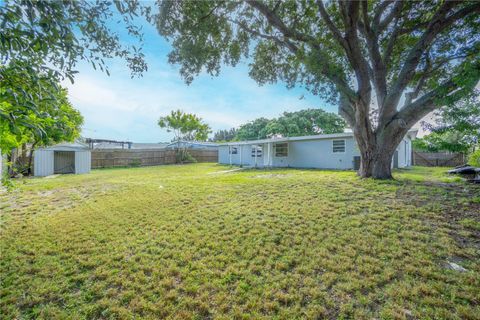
[83,162]
[404,150]
[319,154]
[43,163]
[315,153]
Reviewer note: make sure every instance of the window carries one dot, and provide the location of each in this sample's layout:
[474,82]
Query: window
[281,149]
[258,150]
[233,150]
[338,146]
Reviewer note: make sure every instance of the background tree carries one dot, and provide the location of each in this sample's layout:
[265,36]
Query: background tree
[253,130]
[456,128]
[451,141]
[305,122]
[386,64]
[225,135]
[185,127]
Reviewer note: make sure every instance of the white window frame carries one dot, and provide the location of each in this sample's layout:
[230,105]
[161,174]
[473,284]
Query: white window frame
[257,151]
[275,149]
[344,146]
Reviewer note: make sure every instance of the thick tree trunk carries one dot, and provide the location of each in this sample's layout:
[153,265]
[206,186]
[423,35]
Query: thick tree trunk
[377,163]
[32,148]
[377,154]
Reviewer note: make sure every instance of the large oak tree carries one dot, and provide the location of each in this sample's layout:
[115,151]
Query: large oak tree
[386,63]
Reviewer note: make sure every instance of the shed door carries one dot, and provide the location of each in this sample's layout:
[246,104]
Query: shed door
[64,162]
[395,159]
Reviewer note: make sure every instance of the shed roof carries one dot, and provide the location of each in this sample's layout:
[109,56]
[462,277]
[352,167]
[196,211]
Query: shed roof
[74,146]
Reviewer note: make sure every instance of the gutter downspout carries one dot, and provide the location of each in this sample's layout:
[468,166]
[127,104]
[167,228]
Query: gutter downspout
[241,160]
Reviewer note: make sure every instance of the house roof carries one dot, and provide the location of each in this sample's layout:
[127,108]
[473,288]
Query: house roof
[107,145]
[194,143]
[411,134]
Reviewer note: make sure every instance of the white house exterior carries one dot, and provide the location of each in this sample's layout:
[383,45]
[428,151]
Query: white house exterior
[326,151]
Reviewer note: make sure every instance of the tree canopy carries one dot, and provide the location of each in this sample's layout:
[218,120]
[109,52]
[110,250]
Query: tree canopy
[305,122]
[224,135]
[386,64]
[253,130]
[292,124]
[44,117]
[456,128]
[41,43]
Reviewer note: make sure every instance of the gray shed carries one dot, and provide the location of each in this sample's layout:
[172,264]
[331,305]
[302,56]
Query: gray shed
[62,158]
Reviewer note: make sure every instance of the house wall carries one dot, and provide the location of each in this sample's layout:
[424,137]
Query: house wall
[243,156]
[309,154]
[405,153]
[319,154]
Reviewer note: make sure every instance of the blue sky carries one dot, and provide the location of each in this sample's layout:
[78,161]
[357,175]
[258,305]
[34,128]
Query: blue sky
[118,107]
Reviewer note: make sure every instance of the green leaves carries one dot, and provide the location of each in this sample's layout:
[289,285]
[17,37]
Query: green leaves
[292,124]
[34,108]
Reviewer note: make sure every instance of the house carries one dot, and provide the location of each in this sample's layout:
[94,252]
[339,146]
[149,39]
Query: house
[324,151]
[62,158]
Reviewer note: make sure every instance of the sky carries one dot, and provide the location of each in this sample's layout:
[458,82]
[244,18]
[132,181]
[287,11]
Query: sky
[120,108]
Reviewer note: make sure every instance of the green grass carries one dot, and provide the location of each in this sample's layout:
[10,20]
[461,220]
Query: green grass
[187,242]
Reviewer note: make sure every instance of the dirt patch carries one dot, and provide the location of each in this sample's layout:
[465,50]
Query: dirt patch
[272,175]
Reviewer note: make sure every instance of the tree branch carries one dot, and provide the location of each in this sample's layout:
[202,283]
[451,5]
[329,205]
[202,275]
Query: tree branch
[439,22]
[396,10]
[331,26]
[379,10]
[379,72]
[411,113]
[287,32]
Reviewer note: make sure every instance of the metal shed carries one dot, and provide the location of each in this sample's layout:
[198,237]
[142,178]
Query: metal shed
[62,158]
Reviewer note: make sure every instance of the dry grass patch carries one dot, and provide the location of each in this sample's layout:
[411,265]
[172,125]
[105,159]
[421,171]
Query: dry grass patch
[178,242]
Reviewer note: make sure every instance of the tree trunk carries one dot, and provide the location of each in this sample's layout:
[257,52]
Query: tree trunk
[377,164]
[377,155]
[32,148]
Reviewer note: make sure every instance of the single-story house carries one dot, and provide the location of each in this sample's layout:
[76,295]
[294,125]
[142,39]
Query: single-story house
[62,158]
[324,151]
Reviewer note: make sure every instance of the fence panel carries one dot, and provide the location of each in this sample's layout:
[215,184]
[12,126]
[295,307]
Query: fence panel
[107,158]
[438,159]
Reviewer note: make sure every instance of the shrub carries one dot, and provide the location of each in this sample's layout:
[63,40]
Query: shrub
[474,158]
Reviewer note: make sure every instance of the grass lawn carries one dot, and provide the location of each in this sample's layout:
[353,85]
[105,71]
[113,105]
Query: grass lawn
[188,242]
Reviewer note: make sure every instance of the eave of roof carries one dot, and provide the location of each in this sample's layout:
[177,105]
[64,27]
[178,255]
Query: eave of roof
[411,134]
[286,139]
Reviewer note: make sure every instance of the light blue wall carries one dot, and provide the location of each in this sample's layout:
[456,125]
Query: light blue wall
[319,154]
[244,152]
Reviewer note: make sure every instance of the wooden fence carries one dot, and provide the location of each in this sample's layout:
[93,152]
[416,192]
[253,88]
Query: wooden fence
[438,159]
[108,158]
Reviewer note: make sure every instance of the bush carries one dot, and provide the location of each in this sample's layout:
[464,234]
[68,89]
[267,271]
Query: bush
[474,158]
